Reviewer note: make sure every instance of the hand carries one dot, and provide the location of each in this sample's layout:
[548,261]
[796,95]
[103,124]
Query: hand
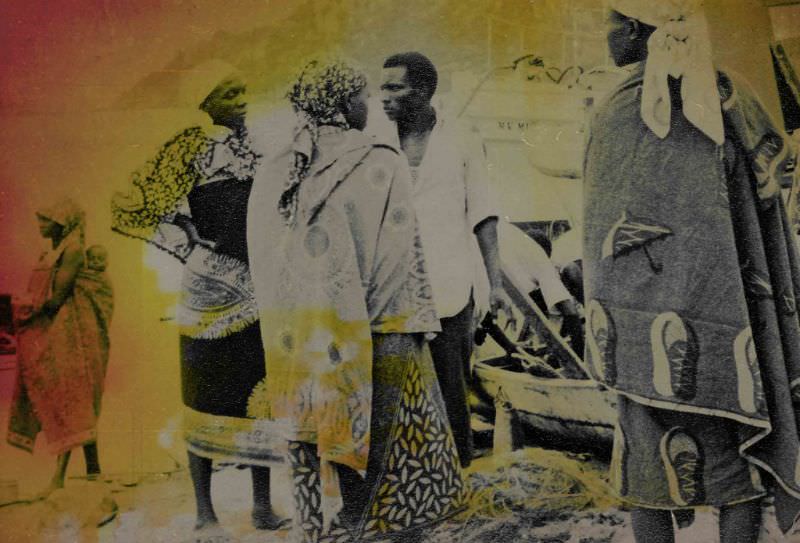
[499,303]
[194,241]
[22,313]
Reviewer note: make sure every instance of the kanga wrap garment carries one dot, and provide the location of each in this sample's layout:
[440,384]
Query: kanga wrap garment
[691,279]
[203,176]
[346,273]
[62,360]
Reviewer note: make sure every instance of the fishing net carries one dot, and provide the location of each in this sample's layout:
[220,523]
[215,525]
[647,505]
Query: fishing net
[535,494]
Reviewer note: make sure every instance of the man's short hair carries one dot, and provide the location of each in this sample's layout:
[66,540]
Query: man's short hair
[420,71]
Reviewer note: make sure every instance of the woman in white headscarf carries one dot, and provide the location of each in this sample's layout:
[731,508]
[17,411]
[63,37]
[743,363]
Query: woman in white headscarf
[691,278]
[191,201]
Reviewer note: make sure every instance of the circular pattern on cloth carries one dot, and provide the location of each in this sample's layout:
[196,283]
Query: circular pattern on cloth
[321,255]
[400,217]
[287,341]
[379,176]
[316,241]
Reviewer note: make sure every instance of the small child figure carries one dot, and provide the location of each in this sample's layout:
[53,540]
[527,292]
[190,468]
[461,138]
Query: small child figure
[97,258]
[95,282]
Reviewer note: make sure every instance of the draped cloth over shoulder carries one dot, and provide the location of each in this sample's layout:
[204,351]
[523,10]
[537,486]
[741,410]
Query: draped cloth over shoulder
[679,48]
[198,184]
[692,279]
[62,360]
[350,265]
[157,192]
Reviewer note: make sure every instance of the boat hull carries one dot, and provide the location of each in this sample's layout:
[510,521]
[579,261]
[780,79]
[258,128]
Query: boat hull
[577,411]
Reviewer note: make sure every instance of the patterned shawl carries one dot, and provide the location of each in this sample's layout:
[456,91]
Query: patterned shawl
[691,273]
[350,266]
[217,293]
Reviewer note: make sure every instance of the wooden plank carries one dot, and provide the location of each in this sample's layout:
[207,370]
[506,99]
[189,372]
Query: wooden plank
[559,348]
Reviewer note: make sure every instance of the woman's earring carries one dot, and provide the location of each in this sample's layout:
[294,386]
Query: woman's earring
[634,35]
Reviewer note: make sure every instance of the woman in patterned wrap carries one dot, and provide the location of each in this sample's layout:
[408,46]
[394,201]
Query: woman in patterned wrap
[691,278]
[345,304]
[191,201]
[63,347]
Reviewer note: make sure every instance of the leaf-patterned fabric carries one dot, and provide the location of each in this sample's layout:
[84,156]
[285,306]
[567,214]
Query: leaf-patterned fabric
[691,281]
[413,478]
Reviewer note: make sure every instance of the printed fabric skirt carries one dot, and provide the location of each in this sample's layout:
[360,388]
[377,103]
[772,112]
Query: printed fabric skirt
[218,377]
[414,478]
[666,459]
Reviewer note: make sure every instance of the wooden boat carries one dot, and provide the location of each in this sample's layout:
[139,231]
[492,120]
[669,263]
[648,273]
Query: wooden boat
[556,402]
[573,412]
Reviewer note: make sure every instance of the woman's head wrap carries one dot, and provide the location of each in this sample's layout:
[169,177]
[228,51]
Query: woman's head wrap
[318,96]
[200,80]
[680,47]
[322,90]
[66,213]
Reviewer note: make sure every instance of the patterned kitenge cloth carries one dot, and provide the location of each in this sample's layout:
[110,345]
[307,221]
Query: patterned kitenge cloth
[178,183]
[691,284]
[62,361]
[203,177]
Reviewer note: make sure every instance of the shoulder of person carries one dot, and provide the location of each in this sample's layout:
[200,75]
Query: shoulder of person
[386,153]
[73,251]
[195,132]
[385,160]
[733,88]
[466,134]
[271,130]
[187,141]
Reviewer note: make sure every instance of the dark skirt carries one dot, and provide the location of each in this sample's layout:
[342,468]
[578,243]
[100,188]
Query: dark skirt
[218,377]
[451,351]
[666,459]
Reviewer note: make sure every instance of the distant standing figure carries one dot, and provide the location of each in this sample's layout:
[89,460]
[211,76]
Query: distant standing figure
[63,347]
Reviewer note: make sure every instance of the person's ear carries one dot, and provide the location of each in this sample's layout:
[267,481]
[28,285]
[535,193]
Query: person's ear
[422,91]
[206,101]
[632,29]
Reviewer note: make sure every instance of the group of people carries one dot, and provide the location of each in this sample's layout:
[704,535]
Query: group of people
[331,287]
[327,307]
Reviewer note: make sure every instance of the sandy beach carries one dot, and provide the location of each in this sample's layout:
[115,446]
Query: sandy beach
[530,495]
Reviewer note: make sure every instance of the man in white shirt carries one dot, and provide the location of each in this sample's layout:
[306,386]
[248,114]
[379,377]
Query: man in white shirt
[456,221]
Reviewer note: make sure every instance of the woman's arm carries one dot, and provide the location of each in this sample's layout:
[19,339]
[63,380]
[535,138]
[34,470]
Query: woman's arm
[185,222]
[64,281]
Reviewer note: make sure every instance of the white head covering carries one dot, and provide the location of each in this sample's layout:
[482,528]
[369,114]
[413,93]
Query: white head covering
[198,81]
[681,48]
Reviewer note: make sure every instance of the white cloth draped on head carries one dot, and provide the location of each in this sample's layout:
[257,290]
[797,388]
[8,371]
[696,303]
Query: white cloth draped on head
[680,47]
[68,214]
[200,80]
